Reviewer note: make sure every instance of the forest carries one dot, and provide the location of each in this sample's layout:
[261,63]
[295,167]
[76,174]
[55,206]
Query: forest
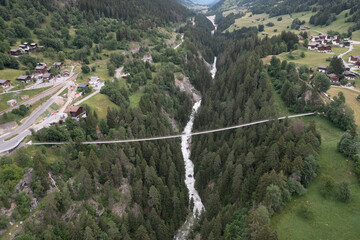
[137,191]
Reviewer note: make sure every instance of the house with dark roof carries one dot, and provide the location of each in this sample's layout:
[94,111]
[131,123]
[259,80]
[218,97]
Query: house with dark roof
[324,48]
[57,65]
[349,75]
[322,68]
[75,111]
[5,83]
[82,86]
[47,77]
[41,69]
[333,78]
[24,78]
[354,58]
[15,52]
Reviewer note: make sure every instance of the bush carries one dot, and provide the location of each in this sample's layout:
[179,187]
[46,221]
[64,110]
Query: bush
[270,24]
[279,19]
[344,192]
[4,221]
[327,187]
[85,69]
[306,211]
[302,55]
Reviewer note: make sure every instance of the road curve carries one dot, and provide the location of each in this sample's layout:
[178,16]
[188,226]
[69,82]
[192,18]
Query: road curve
[180,135]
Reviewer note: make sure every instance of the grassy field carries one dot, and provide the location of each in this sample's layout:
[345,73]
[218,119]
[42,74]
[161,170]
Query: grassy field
[355,51]
[100,104]
[339,25]
[17,118]
[279,105]
[8,96]
[333,219]
[356,35]
[11,74]
[135,98]
[250,20]
[101,72]
[312,58]
[351,101]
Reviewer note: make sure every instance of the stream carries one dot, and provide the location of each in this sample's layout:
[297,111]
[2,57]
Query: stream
[184,231]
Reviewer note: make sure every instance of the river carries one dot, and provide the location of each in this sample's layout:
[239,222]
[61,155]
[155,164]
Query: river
[184,231]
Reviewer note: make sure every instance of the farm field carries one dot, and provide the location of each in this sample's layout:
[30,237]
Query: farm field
[311,59]
[11,74]
[250,20]
[332,219]
[101,109]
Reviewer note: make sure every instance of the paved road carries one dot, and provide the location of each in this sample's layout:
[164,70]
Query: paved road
[90,96]
[349,88]
[181,41]
[23,130]
[42,94]
[342,54]
[35,98]
[180,135]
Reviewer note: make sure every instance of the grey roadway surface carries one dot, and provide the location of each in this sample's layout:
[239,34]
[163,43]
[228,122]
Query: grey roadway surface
[91,95]
[180,135]
[23,130]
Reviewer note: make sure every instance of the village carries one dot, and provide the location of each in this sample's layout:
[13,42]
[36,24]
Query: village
[324,43]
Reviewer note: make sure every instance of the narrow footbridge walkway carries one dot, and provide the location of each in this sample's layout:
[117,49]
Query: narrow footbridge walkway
[178,135]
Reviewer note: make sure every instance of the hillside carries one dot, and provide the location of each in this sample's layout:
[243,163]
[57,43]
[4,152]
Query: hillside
[144,120]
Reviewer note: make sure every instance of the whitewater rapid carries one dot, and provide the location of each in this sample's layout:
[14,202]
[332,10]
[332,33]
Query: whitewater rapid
[212,20]
[189,165]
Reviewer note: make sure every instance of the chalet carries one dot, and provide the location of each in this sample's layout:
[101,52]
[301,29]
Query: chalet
[354,58]
[324,48]
[24,78]
[349,75]
[322,68]
[357,64]
[333,78]
[57,65]
[5,83]
[33,45]
[74,111]
[315,38]
[47,77]
[94,80]
[300,37]
[313,46]
[336,40]
[15,52]
[347,43]
[22,46]
[41,69]
[82,86]
[26,44]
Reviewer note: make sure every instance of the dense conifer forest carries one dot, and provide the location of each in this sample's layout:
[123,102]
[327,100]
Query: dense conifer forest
[137,190]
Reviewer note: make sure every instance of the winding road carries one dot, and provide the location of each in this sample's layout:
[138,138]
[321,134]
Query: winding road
[180,135]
